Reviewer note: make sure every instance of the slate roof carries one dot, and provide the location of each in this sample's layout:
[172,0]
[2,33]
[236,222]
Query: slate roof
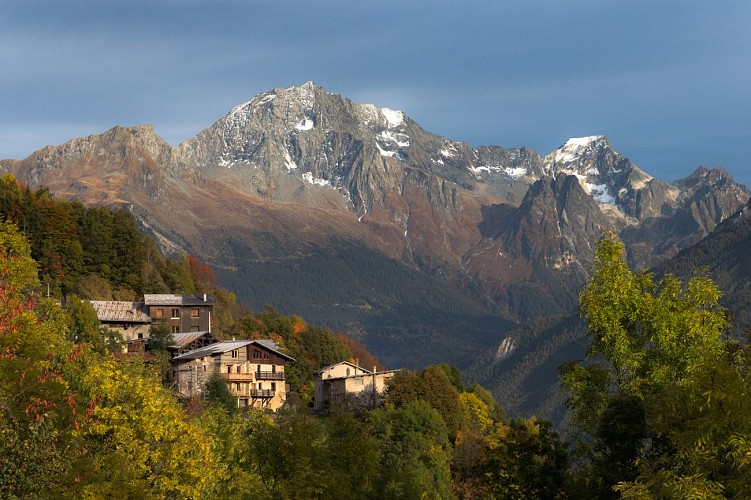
[210,350]
[119,311]
[272,346]
[269,343]
[172,299]
[226,346]
[183,339]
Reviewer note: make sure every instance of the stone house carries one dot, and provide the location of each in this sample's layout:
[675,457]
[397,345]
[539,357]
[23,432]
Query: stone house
[253,369]
[347,383]
[127,318]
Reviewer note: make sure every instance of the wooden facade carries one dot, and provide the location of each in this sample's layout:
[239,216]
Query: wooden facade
[253,370]
[180,313]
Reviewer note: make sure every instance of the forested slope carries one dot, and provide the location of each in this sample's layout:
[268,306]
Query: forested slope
[725,255]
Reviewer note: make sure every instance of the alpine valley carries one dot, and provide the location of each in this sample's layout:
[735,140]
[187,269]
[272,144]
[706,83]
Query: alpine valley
[426,249]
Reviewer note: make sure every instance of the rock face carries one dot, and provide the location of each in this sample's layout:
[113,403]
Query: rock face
[297,173]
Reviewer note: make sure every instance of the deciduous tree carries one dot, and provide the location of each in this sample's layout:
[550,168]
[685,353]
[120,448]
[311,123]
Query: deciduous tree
[657,365]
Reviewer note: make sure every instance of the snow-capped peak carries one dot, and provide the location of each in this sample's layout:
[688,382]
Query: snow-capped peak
[576,147]
[393,117]
[583,141]
[580,156]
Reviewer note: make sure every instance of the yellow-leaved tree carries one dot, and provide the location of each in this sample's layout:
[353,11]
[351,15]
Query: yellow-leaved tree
[77,423]
[139,439]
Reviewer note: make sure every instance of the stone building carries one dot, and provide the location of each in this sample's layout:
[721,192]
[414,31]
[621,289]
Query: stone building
[347,383]
[127,318]
[253,369]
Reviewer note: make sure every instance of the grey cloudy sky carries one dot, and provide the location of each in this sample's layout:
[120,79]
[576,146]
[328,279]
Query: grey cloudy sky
[668,81]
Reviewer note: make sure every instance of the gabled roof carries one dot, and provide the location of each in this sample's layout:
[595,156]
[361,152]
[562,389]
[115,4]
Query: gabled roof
[210,350]
[272,346]
[226,346]
[326,368]
[269,343]
[172,299]
[119,311]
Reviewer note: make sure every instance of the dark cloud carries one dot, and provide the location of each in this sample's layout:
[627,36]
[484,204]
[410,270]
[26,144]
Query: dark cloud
[666,81]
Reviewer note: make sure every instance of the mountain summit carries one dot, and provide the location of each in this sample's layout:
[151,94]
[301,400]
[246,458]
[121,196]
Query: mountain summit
[359,219]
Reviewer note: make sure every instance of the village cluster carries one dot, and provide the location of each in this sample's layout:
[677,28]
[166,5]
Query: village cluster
[253,369]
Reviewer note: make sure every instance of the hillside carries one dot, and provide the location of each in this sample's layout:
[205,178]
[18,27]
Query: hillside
[724,254]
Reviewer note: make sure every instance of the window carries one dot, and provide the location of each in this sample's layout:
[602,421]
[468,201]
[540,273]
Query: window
[238,368]
[175,313]
[348,372]
[175,329]
[273,386]
[195,313]
[140,335]
[235,354]
[204,368]
[159,314]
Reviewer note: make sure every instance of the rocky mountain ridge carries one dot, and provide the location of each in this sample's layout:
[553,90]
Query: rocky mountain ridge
[298,177]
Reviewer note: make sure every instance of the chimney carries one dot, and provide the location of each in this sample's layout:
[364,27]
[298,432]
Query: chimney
[357,361]
[204,297]
[374,368]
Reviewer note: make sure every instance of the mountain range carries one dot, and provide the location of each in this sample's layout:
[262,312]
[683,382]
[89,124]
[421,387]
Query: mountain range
[355,217]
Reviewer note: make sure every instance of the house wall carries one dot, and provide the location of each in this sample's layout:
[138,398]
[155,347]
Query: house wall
[366,390]
[129,331]
[191,376]
[264,388]
[336,371]
[179,319]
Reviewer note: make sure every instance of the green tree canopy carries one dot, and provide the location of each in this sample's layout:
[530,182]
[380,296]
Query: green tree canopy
[657,367]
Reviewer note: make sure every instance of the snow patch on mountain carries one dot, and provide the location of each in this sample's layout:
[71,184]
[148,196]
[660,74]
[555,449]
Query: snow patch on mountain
[385,152]
[393,117]
[599,192]
[316,181]
[449,151]
[513,172]
[291,165]
[401,140]
[388,142]
[304,124]
[263,99]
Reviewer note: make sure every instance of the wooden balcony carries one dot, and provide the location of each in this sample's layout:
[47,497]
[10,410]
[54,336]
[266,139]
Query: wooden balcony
[262,393]
[238,377]
[269,376]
